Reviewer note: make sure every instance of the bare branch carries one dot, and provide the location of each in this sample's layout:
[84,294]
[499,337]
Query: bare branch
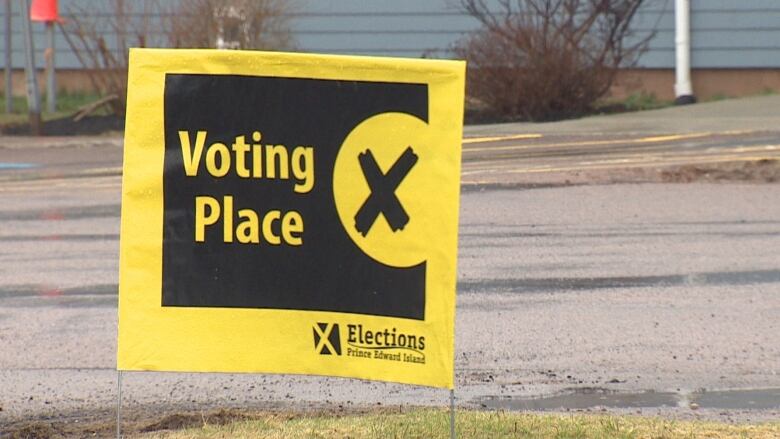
[541,59]
[101,33]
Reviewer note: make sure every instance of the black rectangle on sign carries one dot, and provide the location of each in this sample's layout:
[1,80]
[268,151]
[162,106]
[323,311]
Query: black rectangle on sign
[327,271]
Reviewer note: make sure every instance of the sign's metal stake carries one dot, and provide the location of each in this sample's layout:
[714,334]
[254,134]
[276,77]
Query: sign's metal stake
[118,404]
[452,413]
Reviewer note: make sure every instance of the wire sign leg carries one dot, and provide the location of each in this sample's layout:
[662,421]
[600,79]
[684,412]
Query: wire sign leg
[452,414]
[118,404]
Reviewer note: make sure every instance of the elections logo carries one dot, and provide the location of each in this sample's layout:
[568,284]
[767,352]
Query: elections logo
[327,340]
[385,344]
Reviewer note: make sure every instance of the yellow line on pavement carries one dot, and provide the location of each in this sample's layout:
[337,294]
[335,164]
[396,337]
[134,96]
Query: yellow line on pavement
[625,164]
[641,140]
[770,152]
[499,138]
[753,148]
[672,137]
[629,156]
[47,184]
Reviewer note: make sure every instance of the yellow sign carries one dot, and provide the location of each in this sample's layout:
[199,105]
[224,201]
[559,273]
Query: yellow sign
[290,213]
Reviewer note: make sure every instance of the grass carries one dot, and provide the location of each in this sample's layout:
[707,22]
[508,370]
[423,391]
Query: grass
[434,423]
[718,97]
[644,101]
[635,102]
[67,104]
[766,91]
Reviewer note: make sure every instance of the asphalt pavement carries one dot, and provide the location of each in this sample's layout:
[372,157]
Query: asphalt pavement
[757,113]
[630,146]
[564,288]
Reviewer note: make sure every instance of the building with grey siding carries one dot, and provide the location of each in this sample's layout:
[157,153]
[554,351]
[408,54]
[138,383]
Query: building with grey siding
[735,44]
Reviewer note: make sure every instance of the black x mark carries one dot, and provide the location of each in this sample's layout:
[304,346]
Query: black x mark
[382,198]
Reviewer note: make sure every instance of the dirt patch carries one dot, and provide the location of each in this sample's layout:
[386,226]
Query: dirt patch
[35,430]
[59,429]
[757,171]
[179,421]
[761,171]
[102,423]
[66,126]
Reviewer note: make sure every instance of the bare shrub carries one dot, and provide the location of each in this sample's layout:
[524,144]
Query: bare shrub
[233,24]
[100,33]
[547,59]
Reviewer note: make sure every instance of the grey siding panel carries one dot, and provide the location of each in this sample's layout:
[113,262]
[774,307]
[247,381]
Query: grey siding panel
[728,41]
[374,7]
[740,5]
[66,59]
[655,18]
[725,33]
[399,28]
[657,58]
[725,21]
[395,22]
[739,58]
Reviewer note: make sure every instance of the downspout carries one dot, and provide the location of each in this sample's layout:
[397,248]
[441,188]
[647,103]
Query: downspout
[682,42]
[9,102]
